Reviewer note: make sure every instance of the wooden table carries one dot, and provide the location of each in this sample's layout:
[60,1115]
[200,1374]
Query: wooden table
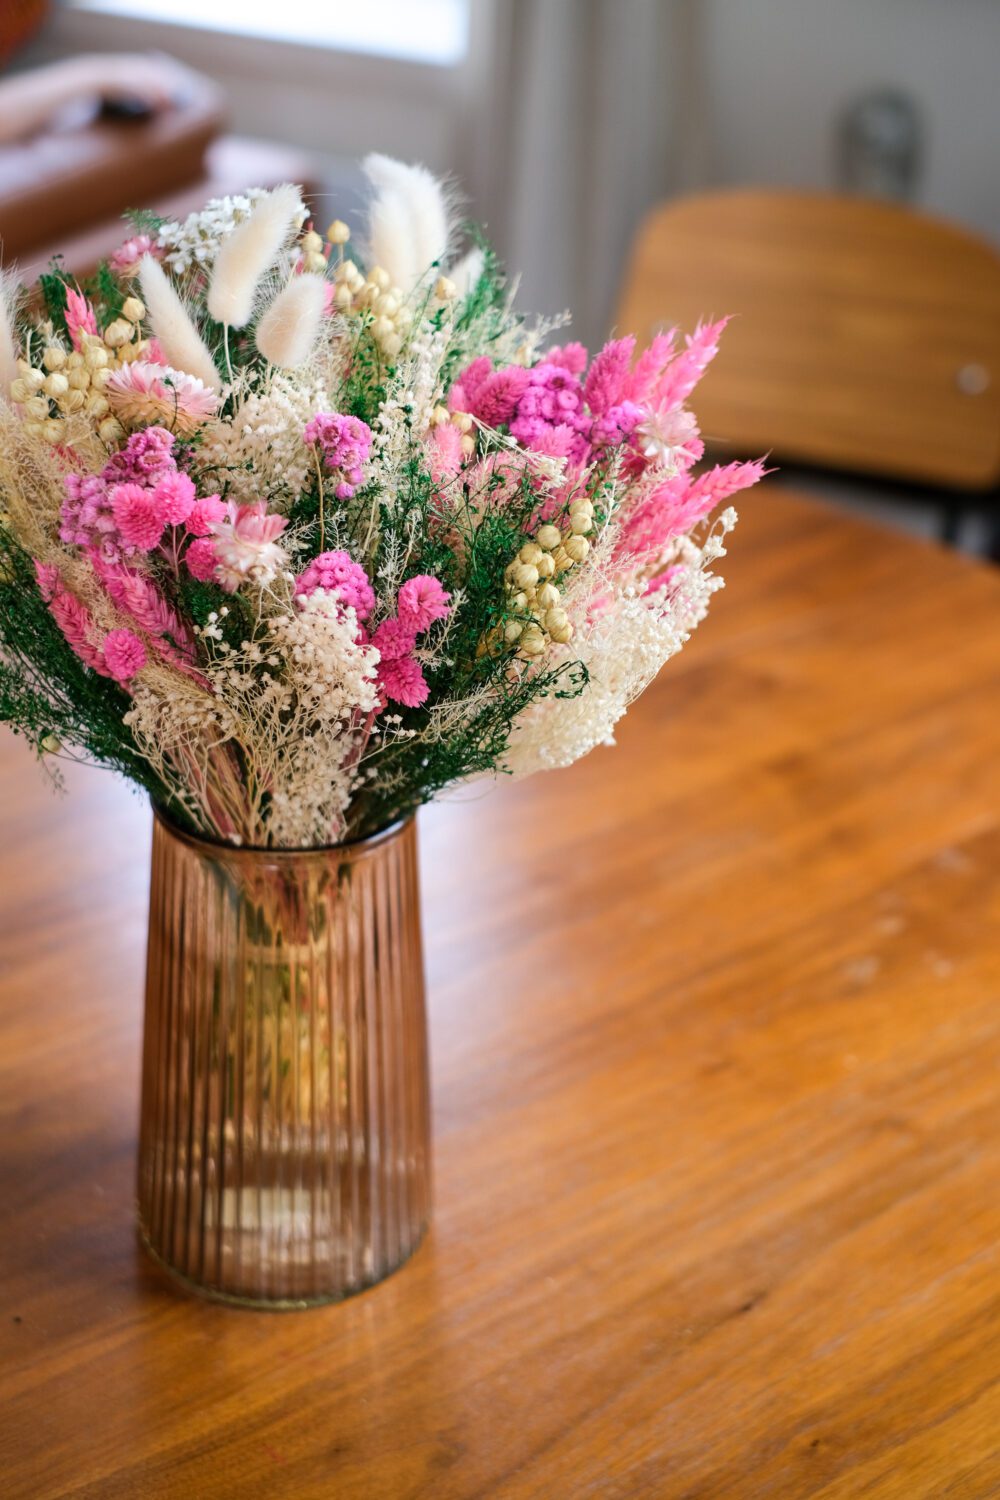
[716,1036]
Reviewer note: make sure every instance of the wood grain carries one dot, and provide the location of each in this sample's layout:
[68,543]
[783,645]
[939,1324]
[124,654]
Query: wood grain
[716,1052]
[868,335]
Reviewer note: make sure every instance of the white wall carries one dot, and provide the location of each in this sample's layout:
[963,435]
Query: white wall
[778,73]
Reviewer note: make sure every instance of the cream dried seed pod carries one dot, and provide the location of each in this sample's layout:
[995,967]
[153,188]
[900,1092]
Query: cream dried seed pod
[546,565]
[576,547]
[54,358]
[56,385]
[524,575]
[548,536]
[531,641]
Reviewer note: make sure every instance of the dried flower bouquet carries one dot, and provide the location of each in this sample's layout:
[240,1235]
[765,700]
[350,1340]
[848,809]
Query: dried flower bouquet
[297,545]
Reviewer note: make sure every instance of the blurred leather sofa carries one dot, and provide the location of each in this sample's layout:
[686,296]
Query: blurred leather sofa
[66,189]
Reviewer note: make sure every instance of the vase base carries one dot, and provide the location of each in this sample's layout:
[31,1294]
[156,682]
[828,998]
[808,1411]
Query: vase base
[256,1303]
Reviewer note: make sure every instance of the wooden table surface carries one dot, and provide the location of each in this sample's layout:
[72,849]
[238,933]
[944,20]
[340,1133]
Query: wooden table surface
[716,1056]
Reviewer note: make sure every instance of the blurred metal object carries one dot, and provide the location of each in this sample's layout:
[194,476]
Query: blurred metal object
[880,145]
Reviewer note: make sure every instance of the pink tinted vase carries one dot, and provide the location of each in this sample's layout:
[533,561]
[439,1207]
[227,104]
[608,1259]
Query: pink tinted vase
[284,1154]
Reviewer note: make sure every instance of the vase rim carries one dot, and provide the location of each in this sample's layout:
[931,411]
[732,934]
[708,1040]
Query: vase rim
[358,845]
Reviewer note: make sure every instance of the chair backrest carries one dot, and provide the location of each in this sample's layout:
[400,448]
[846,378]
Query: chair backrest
[866,335]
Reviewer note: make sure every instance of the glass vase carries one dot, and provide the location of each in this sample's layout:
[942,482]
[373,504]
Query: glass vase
[284,1139]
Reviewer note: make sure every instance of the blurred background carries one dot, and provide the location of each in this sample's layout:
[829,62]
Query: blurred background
[826,171]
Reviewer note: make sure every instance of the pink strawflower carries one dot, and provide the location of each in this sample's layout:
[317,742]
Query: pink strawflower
[145,456]
[175,495]
[143,392]
[670,438]
[125,260]
[401,679]
[345,443]
[80,317]
[138,516]
[203,514]
[200,559]
[422,600]
[246,547]
[124,654]
[339,574]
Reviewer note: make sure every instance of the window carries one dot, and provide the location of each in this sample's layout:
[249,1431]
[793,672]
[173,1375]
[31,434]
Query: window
[426,31]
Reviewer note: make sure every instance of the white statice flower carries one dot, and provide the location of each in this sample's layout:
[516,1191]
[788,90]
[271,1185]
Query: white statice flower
[194,243]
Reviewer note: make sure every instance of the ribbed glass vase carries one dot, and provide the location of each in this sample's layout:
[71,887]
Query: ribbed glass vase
[284,1142]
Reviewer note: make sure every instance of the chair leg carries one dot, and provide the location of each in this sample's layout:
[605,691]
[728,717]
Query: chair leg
[951,522]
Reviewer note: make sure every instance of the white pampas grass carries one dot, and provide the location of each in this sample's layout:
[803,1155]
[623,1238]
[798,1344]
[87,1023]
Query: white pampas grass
[409,221]
[8,346]
[182,344]
[288,327]
[466,272]
[247,253]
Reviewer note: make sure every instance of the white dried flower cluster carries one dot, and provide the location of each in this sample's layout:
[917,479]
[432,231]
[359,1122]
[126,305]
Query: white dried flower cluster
[259,450]
[623,646]
[194,243]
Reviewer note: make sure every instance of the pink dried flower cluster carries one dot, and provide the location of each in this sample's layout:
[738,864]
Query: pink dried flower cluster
[88,516]
[420,602]
[339,574]
[240,544]
[125,260]
[345,443]
[119,655]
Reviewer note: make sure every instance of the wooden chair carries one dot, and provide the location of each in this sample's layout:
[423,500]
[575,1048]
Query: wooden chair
[866,335]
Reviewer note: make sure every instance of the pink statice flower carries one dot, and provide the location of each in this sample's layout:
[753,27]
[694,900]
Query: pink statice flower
[345,443]
[124,654]
[143,392]
[422,600]
[175,495]
[246,545]
[615,426]
[145,456]
[80,318]
[138,517]
[86,518]
[203,515]
[553,399]
[338,574]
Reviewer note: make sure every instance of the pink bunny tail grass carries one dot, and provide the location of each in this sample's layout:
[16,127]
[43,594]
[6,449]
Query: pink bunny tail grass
[606,384]
[139,598]
[683,372]
[682,502]
[650,366]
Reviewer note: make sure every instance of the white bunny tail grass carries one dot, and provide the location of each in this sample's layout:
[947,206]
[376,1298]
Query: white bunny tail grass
[247,253]
[179,339]
[8,345]
[409,221]
[466,272]
[289,325]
